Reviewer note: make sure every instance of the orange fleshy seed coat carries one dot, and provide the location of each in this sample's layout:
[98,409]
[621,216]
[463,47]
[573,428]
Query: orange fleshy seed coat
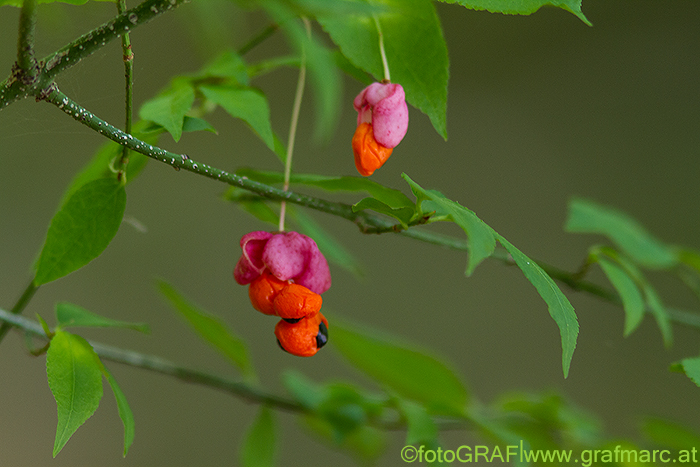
[369,155]
[287,300]
[300,338]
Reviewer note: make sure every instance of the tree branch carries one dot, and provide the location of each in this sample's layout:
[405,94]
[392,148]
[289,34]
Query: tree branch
[13,89]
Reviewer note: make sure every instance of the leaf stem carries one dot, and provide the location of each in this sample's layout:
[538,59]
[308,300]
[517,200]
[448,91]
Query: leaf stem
[254,41]
[382,52]
[298,95]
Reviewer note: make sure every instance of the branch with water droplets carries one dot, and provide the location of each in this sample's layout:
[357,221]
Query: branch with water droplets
[15,88]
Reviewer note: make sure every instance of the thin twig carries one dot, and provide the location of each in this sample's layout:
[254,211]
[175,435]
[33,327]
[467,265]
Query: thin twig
[298,95]
[26,62]
[19,306]
[128,57]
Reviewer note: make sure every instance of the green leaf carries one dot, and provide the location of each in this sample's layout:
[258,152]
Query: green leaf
[522,7]
[82,229]
[69,315]
[191,124]
[306,392]
[482,241]
[632,300]
[125,412]
[247,104]
[403,214]
[421,427]
[651,298]
[558,305]
[209,328]
[331,248]
[629,236]
[671,435]
[389,196]
[75,377]
[691,368]
[168,109]
[258,449]
[408,371]
[660,314]
[415,49]
[228,65]
[100,164]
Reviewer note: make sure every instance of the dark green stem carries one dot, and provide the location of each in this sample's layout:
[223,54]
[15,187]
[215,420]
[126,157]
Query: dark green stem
[19,306]
[128,56]
[26,62]
[13,89]
[264,34]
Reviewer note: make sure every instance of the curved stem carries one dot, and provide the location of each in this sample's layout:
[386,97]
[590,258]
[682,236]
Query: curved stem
[382,52]
[298,95]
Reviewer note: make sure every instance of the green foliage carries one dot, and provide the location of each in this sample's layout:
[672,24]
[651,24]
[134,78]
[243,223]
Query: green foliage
[69,315]
[588,217]
[209,328]
[125,412]
[81,229]
[482,242]
[388,196]
[247,104]
[18,3]
[632,300]
[75,377]
[415,49]
[558,305]
[258,449]
[410,372]
[169,108]
[522,7]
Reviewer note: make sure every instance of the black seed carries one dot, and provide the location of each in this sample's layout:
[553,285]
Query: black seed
[292,320]
[280,344]
[322,336]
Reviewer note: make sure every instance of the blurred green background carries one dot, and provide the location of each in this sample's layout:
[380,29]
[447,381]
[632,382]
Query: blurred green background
[540,108]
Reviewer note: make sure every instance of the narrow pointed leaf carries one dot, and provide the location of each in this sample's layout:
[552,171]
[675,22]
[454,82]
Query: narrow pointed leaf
[522,7]
[482,241]
[558,305]
[415,49]
[421,427]
[81,229]
[404,368]
[69,315]
[630,237]
[169,108]
[209,328]
[75,377]
[402,214]
[389,196]
[247,104]
[125,413]
[258,449]
[659,311]
[632,299]
[691,368]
